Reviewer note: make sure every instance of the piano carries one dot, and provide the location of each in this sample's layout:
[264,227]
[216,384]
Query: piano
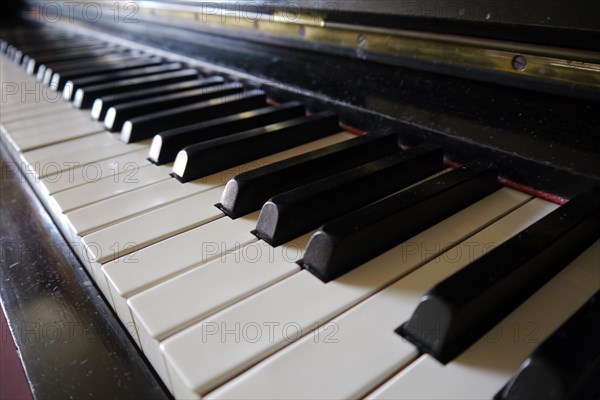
[289,200]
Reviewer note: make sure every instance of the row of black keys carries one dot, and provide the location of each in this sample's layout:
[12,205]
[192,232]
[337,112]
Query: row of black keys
[170,101]
[303,192]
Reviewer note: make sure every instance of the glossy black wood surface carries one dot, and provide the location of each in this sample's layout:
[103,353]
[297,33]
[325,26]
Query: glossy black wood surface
[547,142]
[71,344]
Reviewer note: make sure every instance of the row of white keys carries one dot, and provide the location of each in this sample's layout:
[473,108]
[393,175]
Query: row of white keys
[90,172]
[144,268]
[355,352]
[10,76]
[9,69]
[20,90]
[45,137]
[30,126]
[109,149]
[109,212]
[58,168]
[19,95]
[125,181]
[48,125]
[207,289]
[150,228]
[116,209]
[26,110]
[198,362]
[129,275]
[21,101]
[32,117]
[64,165]
[27,128]
[45,134]
[484,368]
[55,151]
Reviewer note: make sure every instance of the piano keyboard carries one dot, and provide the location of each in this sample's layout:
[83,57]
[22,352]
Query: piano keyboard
[257,250]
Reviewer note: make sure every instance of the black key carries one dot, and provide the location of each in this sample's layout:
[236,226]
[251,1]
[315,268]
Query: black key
[11,43]
[57,77]
[477,297]
[109,59]
[24,53]
[102,104]
[144,127]
[41,42]
[343,244]
[566,366]
[248,191]
[166,145]
[215,155]
[45,44]
[85,96]
[34,64]
[72,86]
[300,210]
[118,114]
[112,76]
[43,68]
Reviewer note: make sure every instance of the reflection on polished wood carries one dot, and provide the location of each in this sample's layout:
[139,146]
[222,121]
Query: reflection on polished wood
[71,343]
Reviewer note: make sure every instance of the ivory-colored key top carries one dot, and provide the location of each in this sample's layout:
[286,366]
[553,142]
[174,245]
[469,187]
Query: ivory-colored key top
[91,171]
[135,178]
[81,157]
[154,226]
[366,332]
[25,91]
[108,212]
[129,275]
[46,138]
[171,306]
[199,359]
[482,370]
[18,114]
[48,126]
[197,246]
[24,127]
[55,151]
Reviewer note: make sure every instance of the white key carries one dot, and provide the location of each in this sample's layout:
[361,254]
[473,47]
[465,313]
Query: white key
[91,172]
[152,227]
[96,216]
[21,113]
[57,150]
[152,265]
[482,370]
[42,137]
[20,101]
[110,211]
[198,362]
[32,124]
[58,163]
[175,255]
[179,302]
[188,298]
[24,90]
[81,157]
[20,130]
[365,334]
[135,178]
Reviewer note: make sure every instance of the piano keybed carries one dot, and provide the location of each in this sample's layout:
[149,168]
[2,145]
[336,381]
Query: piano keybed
[250,306]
